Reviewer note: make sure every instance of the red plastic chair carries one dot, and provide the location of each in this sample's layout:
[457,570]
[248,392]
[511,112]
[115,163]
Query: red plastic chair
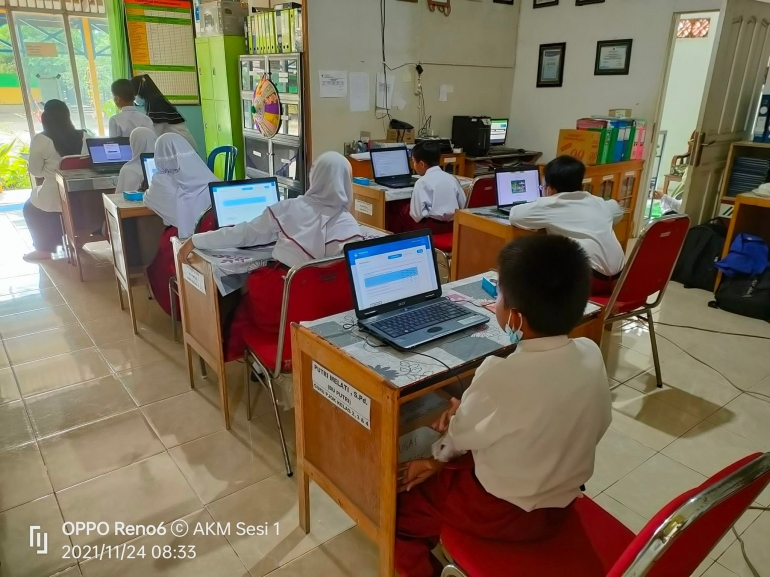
[483,192]
[591,543]
[646,275]
[75,161]
[302,286]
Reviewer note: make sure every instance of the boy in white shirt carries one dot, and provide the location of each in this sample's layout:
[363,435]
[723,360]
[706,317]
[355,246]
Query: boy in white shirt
[129,116]
[522,440]
[567,210]
[436,195]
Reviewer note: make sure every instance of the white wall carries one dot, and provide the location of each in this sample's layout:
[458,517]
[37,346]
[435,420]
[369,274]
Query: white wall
[537,114]
[477,41]
[684,93]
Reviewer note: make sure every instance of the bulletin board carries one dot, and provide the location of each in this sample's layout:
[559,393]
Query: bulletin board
[161,43]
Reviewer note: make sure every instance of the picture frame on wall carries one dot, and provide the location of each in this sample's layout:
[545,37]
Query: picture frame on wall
[544,3]
[509,2]
[613,57]
[550,65]
[587,2]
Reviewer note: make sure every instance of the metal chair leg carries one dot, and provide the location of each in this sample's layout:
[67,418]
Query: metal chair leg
[453,570]
[247,382]
[654,343]
[269,382]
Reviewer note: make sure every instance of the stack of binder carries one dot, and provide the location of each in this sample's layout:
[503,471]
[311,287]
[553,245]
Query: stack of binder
[277,31]
[621,138]
[747,174]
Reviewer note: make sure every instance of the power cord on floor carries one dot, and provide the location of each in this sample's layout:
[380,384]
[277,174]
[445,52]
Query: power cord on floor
[712,331]
[753,569]
[755,394]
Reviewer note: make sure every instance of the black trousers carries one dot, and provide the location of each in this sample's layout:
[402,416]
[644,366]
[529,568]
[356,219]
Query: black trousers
[44,227]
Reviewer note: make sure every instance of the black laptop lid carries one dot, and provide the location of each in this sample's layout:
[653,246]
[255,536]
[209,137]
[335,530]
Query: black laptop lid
[238,201]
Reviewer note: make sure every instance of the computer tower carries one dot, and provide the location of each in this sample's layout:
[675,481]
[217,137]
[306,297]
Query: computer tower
[471,133]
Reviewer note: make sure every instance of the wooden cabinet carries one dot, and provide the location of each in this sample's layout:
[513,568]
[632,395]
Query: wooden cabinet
[756,154]
[219,78]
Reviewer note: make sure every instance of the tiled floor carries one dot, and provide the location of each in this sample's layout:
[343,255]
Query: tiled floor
[99,425]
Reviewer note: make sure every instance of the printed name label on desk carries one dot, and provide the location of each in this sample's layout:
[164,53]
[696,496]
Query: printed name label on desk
[194,277]
[346,397]
[365,207]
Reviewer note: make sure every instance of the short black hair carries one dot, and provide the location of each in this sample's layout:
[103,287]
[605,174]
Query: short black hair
[122,89]
[427,152]
[565,174]
[547,278]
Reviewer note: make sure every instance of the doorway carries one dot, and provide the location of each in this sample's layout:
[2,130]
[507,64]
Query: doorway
[691,54]
[49,50]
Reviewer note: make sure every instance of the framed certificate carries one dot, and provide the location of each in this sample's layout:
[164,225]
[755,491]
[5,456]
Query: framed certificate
[544,3]
[613,57]
[550,66]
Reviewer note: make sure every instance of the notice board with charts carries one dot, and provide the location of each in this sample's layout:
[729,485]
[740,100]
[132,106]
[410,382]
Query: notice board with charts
[161,44]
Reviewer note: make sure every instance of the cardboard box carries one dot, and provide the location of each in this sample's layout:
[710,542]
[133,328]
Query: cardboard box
[620,113]
[406,136]
[222,18]
[582,144]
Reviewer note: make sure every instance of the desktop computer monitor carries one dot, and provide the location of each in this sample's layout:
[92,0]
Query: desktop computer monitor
[498,132]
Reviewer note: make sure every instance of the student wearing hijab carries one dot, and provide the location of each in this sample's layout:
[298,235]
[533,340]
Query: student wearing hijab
[142,141]
[164,115]
[179,194]
[312,226]
[42,212]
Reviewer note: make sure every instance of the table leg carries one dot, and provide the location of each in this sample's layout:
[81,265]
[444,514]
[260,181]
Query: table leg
[131,309]
[190,374]
[389,463]
[303,487]
[120,293]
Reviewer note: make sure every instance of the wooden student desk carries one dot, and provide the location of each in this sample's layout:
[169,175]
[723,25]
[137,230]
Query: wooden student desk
[369,202]
[135,232]
[751,214]
[349,446]
[82,208]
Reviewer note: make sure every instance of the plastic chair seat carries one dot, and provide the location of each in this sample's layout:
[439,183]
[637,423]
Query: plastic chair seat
[264,345]
[588,544]
[443,242]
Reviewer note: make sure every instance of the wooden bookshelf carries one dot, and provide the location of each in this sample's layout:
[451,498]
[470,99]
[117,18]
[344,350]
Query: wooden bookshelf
[738,150]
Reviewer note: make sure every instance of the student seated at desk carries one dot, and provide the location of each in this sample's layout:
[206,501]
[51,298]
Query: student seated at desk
[567,210]
[142,141]
[436,196]
[522,440]
[42,212]
[164,115]
[179,194]
[129,117]
[312,226]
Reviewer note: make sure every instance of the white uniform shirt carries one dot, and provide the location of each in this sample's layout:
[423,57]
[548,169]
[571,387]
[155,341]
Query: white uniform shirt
[126,120]
[533,421]
[581,216]
[437,194]
[43,163]
[669,203]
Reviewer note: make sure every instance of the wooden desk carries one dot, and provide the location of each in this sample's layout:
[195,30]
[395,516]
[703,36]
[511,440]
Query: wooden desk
[135,232]
[456,161]
[354,458]
[369,202]
[479,234]
[82,208]
[481,165]
[751,214]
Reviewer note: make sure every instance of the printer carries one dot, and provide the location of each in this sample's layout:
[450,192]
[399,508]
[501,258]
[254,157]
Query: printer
[472,134]
[444,144]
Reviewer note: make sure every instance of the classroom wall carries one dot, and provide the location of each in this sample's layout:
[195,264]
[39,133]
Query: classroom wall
[684,93]
[537,114]
[193,118]
[475,44]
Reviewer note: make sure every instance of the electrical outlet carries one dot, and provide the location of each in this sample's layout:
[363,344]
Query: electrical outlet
[417,85]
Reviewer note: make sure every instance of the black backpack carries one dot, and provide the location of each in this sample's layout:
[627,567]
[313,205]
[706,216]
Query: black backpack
[745,295]
[702,248]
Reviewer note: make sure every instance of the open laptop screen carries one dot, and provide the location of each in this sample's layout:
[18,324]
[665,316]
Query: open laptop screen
[393,270]
[148,167]
[240,201]
[390,162]
[109,150]
[517,187]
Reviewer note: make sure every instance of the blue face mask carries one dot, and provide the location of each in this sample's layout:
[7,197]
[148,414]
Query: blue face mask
[514,335]
[139,101]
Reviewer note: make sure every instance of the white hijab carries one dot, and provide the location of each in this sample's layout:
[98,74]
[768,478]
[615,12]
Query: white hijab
[321,216]
[183,175]
[142,141]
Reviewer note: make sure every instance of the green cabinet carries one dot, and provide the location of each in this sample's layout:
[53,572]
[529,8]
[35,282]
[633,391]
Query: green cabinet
[219,79]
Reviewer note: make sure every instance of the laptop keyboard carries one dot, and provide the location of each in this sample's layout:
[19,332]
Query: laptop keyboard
[412,321]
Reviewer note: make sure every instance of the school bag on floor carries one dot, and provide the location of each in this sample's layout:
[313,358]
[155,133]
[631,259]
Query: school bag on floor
[702,249]
[745,295]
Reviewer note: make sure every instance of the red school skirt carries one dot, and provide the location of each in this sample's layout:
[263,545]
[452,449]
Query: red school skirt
[161,270]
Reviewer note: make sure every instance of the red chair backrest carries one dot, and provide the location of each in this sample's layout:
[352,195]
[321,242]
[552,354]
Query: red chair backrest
[70,162]
[317,291]
[724,497]
[206,222]
[483,192]
[651,263]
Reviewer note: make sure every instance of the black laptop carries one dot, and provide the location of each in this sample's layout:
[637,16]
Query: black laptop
[391,167]
[237,201]
[108,155]
[147,160]
[516,186]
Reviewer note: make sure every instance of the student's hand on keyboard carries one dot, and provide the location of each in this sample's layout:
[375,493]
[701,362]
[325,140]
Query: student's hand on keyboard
[442,425]
[413,473]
